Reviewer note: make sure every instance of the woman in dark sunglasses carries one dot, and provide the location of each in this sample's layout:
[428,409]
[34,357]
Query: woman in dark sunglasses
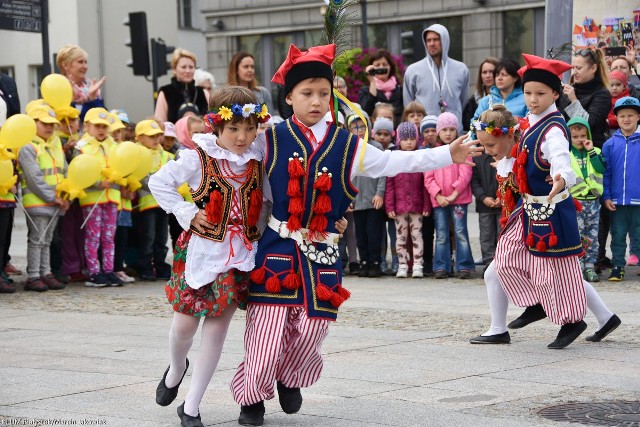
[588,95]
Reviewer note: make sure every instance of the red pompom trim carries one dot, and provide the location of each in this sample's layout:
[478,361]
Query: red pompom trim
[345,294]
[322,204]
[553,240]
[255,206]
[294,224]
[323,183]
[292,281]
[514,151]
[293,188]
[295,168]
[503,221]
[522,158]
[273,285]
[295,206]
[336,300]
[258,275]
[531,240]
[323,292]
[578,205]
[213,209]
[541,246]
[318,224]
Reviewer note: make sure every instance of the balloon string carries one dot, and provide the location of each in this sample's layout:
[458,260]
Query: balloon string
[92,209]
[48,225]
[27,215]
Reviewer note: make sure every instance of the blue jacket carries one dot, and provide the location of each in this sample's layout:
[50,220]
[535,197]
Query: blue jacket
[622,173]
[514,102]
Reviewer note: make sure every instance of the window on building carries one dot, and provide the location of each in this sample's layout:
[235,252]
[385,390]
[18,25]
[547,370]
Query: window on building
[377,35]
[8,70]
[523,32]
[185,14]
[36,74]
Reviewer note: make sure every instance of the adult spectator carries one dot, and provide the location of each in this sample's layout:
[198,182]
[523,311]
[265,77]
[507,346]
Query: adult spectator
[623,64]
[587,96]
[437,81]
[383,84]
[72,62]
[340,85]
[241,72]
[9,101]
[204,79]
[486,79]
[506,91]
[182,92]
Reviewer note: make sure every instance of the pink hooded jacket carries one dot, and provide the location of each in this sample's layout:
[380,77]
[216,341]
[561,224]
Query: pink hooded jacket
[448,179]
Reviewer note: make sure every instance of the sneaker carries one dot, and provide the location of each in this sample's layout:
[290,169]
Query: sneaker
[603,264]
[394,264]
[11,270]
[441,274]
[375,270]
[78,277]
[36,285]
[97,281]
[403,270]
[62,278]
[6,287]
[52,283]
[125,277]
[354,267]
[113,279]
[363,271]
[633,260]
[617,274]
[590,275]
[417,272]
[464,274]
[5,277]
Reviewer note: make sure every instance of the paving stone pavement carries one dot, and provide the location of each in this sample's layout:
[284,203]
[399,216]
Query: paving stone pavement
[397,356]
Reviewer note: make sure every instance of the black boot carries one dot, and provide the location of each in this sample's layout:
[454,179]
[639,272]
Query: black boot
[164,394]
[530,315]
[252,415]
[568,334]
[290,399]
[187,420]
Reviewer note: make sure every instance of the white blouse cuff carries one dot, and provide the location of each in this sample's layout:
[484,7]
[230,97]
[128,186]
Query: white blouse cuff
[185,214]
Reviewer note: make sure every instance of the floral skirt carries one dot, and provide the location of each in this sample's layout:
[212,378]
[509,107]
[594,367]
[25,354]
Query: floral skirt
[211,299]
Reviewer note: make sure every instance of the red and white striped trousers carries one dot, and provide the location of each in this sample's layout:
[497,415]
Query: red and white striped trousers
[554,282]
[280,343]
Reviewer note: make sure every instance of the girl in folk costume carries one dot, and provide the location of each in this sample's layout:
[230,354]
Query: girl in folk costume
[537,255]
[296,290]
[498,131]
[217,248]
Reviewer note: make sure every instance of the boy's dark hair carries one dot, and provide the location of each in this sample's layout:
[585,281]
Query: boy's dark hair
[226,96]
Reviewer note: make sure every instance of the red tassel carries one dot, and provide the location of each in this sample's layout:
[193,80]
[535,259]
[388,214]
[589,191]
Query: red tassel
[258,275]
[531,240]
[213,209]
[295,206]
[293,188]
[503,221]
[293,224]
[323,183]
[323,292]
[292,281]
[514,151]
[295,168]
[553,240]
[345,294]
[541,246]
[322,204]
[255,206]
[336,300]
[522,158]
[578,205]
[272,285]
[319,224]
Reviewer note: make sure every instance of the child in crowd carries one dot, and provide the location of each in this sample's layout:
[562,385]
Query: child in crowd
[429,140]
[313,151]
[7,207]
[588,165]
[406,201]
[186,127]
[100,205]
[218,245]
[618,89]
[368,215]
[42,166]
[382,109]
[414,112]
[153,220]
[428,131]
[450,192]
[170,138]
[621,193]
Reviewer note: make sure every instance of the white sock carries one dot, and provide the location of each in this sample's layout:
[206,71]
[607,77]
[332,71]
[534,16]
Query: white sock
[214,331]
[498,302]
[183,329]
[596,305]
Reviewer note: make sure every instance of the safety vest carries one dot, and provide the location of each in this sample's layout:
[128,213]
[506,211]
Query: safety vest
[160,158]
[590,186]
[8,197]
[100,150]
[51,162]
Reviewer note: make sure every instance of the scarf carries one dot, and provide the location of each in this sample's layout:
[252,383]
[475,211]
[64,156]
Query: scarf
[386,87]
[81,92]
[182,131]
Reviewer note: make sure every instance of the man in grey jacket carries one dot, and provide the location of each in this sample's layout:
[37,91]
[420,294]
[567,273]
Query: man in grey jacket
[438,82]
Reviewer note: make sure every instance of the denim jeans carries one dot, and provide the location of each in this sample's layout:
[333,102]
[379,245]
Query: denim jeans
[624,220]
[442,258]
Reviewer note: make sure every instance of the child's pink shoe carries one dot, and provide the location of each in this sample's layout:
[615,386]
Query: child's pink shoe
[633,260]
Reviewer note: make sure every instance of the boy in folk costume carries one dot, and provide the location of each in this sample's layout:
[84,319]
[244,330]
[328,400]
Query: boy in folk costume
[296,289]
[537,255]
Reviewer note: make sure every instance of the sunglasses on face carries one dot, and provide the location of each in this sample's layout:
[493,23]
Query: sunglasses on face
[585,53]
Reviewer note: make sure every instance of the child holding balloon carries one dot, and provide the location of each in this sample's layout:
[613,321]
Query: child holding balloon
[7,206]
[42,166]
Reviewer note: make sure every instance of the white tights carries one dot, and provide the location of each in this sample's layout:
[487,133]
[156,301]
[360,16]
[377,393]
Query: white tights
[183,329]
[498,303]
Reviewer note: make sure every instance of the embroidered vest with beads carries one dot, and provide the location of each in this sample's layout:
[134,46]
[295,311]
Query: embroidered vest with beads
[283,275]
[213,182]
[546,235]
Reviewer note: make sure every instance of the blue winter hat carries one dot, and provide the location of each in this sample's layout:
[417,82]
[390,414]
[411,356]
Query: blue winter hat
[427,122]
[626,102]
[406,130]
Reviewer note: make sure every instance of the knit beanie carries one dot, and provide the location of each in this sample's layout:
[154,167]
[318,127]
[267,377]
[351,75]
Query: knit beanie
[382,123]
[446,120]
[428,122]
[406,130]
[618,75]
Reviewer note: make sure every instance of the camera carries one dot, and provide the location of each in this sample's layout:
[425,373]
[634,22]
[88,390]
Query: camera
[615,51]
[374,71]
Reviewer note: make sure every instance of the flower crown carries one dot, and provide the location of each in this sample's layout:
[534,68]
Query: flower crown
[226,113]
[491,128]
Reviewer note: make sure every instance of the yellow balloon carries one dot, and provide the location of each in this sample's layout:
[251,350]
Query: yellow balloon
[144,166]
[6,171]
[124,158]
[17,131]
[83,172]
[56,90]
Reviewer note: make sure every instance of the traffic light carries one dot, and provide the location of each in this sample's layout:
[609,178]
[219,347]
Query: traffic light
[159,52]
[139,43]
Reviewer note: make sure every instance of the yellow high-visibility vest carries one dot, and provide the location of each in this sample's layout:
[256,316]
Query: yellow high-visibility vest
[100,150]
[51,162]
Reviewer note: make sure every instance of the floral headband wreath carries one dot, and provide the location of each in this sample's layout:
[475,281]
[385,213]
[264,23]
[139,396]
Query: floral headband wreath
[226,113]
[492,129]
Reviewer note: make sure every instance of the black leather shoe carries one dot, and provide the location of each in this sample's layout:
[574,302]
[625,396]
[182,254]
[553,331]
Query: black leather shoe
[252,415]
[187,420]
[290,399]
[502,338]
[568,334]
[608,327]
[166,395]
[530,315]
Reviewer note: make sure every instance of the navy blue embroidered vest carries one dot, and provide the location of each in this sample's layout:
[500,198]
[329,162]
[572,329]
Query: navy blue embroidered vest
[279,256]
[562,223]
